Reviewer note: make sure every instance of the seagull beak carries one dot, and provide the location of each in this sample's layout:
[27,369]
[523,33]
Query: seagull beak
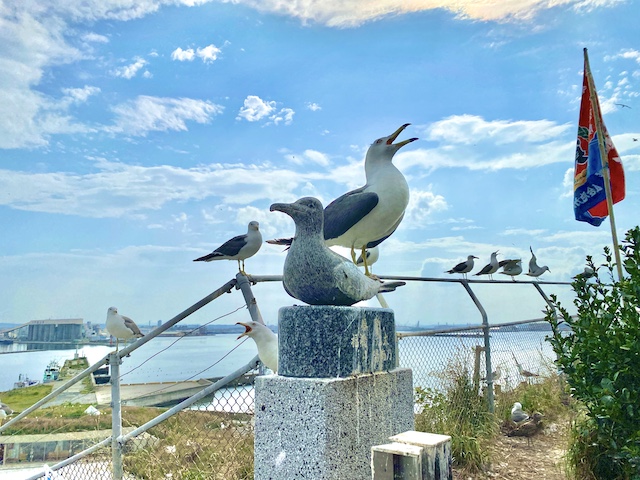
[280,207]
[246,332]
[395,134]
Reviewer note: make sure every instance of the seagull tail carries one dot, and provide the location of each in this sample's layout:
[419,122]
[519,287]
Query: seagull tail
[209,257]
[390,286]
[280,241]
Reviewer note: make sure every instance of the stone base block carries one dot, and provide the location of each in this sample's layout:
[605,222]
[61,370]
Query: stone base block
[328,341]
[323,429]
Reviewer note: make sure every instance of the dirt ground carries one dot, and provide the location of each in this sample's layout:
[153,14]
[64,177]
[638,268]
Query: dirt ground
[513,459]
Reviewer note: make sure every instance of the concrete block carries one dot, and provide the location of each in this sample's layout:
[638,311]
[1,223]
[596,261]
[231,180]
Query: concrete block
[436,453]
[396,460]
[323,429]
[330,341]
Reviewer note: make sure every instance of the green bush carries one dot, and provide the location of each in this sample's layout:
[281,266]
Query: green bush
[600,357]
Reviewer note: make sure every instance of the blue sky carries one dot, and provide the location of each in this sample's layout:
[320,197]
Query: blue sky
[138,135]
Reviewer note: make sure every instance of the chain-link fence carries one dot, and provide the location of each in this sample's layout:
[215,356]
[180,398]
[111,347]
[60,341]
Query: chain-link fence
[213,437]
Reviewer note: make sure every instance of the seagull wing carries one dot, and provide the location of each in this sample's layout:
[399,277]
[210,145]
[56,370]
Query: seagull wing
[227,249]
[393,229]
[347,210]
[131,325]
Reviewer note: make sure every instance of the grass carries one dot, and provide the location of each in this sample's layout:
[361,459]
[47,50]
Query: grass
[194,445]
[460,411]
[21,398]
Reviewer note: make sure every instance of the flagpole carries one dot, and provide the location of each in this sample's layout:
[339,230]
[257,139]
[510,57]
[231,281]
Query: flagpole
[605,161]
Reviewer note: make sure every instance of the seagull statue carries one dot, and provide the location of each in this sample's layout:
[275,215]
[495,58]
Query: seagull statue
[517,414]
[491,267]
[315,274]
[511,267]
[366,216]
[372,255]
[238,248]
[535,270]
[463,267]
[266,341]
[121,327]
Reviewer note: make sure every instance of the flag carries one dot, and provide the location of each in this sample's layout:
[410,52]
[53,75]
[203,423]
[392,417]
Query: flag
[589,195]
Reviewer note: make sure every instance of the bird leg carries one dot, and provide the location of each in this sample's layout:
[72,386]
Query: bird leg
[353,255]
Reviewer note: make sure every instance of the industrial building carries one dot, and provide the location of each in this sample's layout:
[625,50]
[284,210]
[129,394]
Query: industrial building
[56,330]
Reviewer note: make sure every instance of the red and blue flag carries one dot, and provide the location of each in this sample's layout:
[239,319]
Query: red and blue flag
[589,195]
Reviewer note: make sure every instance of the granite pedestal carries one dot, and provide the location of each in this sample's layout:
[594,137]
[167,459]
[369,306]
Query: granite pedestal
[337,394]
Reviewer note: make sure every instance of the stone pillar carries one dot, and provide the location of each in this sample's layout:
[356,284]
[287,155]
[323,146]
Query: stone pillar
[337,394]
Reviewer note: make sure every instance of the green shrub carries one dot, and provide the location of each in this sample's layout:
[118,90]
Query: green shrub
[600,357]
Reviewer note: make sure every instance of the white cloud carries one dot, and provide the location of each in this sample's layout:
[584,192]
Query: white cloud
[209,53]
[309,156]
[80,95]
[255,109]
[471,129]
[145,114]
[422,205]
[95,38]
[183,55]
[351,13]
[314,107]
[130,71]
[116,189]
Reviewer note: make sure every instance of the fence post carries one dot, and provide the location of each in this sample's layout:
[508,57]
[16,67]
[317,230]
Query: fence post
[487,344]
[116,416]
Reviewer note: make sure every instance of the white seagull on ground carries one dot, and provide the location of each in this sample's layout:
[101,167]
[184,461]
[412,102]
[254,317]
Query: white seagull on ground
[534,269]
[511,267]
[517,414]
[121,327]
[266,341]
[491,267]
[366,216]
[238,248]
[463,267]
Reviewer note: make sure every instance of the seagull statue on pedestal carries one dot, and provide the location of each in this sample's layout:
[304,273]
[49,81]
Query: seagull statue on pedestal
[366,216]
[266,341]
[238,248]
[315,274]
[121,327]
[463,267]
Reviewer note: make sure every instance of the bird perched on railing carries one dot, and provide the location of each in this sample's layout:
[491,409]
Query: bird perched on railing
[121,327]
[534,269]
[238,248]
[463,267]
[315,274]
[366,216]
[587,273]
[491,267]
[266,341]
[511,267]
[5,410]
[528,428]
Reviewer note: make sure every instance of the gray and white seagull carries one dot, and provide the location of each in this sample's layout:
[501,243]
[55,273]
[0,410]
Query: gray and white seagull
[511,267]
[121,327]
[238,248]
[315,274]
[534,269]
[463,267]
[491,267]
[366,216]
